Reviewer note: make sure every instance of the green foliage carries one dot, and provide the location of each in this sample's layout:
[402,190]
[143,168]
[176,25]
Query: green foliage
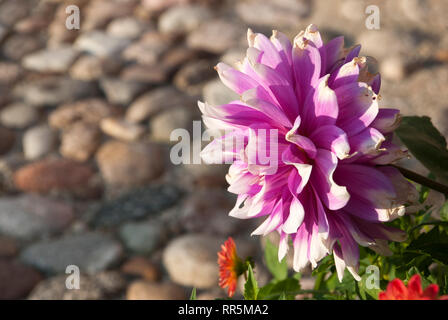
[285,289]
[279,270]
[193,294]
[426,143]
[251,287]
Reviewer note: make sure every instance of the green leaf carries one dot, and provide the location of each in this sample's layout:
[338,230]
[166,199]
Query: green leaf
[279,270]
[433,244]
[367,288]
[193,294]
[288,288]
[251,286]
[426,143]
[444,212]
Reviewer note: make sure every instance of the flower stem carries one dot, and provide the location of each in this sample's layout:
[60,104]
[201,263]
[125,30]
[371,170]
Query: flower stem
[411,175]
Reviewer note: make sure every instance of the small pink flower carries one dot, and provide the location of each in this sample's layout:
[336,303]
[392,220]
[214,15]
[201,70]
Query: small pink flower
[330,189]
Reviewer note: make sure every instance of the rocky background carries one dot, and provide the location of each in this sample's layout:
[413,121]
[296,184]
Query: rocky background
[86,116]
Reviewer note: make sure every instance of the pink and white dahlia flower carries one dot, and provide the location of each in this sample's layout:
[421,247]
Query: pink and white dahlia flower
[330,188]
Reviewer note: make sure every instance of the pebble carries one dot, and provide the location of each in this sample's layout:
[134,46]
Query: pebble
[197,254]
[274,13]
[49,175]
[141,267]
[155,101]
[92,252]
[29,216]
[54,91]
[142,237]
[99,13]
[119,91]
[130,165]
[8,247]
[10,72]
[164,123]
[136,204]
[145,290]
[229,33]
[80,141]
[89,111]
[7,141]
[51,60]
[147,74]
[393,68]
[126,27]
[16,279]
[216,93]
[19,45]
[38,141]
[183,19]
[18,115]
[88,68]
[192,77]
[101,44]
[149,49]
[121,129]
[99,286]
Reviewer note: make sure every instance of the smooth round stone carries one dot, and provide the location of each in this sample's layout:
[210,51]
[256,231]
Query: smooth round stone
[38,141]
[18,115]
[145,290]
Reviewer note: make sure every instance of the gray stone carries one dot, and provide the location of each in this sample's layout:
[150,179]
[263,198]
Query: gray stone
[142,237]
[51,60]
[136,204]
[121,129]
[120,91]
[183,19]
[127,27]
[163,124]
[91,252]
[38,141]
[101,44]
[30,216]
[18,115]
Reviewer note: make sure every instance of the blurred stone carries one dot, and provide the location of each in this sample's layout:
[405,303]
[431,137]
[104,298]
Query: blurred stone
[99,13]
[80,141]
[145,290]
[192,77]
[164,123]
[121,129]
[38,141]
[274,13]
[16,279]
[183,19]
[54,91]
[155,101]
[19,45]
[149,49]
[29,216]
[142,267]
[142,237]
[100,44]
[126,27]
[178,56]
[10,72]
[120,91]
[129,165]
[8,247]
[51,60]
[216,93]
[393,68]
[89,68]
[91,252]
[11,11]
[206,37]
[148,74]
[7,141]
[98,286]
[196,254]
[18,115]
[50,175]
[397,43]
[136,204]
[90,111]
[233,55]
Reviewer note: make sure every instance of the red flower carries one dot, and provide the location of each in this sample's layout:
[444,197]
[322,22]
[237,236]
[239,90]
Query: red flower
[396,290]
[230,266]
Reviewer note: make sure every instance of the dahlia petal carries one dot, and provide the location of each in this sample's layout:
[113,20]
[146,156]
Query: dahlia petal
[368,141]
[348,73]
[406,192]
[295,217]
[331,138]
[300,260]
[317,250]
[321,106]
[353,53]
[307,66]
[358,107]
[283,246]
[272,222]
[339,261]
[387,120]
[368,183]
[376,83]
[283,45]
[333,53]
[234,79]
[333,195]
[304,143]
